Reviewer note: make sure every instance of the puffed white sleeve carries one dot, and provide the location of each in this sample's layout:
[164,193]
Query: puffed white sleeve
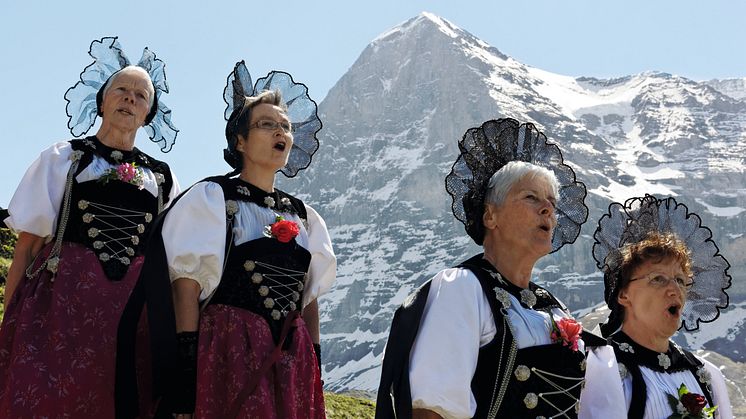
[445,351]
[323,269]
[194,236]
[38,198]
[603,395]
[719,391]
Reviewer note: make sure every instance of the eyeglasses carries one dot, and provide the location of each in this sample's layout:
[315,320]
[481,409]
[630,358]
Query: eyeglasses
[657,280]
[271,125]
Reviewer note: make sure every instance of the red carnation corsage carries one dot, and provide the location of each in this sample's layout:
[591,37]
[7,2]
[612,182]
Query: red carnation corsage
[282,229]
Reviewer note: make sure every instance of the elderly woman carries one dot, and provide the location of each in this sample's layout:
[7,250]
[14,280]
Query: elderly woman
[82,211]
[247,263]
[656,282]
[481,339]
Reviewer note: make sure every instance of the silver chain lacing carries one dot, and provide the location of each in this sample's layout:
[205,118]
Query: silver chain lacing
[512,352]
[53,257]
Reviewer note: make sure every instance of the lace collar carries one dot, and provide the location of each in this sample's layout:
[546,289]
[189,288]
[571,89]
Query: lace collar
[245,191]
[630,352]
[116,156]
[534,297]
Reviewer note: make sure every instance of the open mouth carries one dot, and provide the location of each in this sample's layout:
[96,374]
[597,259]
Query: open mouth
[545,227]
[125,111]
[674,309]
[280,145]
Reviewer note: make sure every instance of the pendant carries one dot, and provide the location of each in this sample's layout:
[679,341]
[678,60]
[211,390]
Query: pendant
[502,297]
[243,190]
[664,361]
[117,155]
[528,297]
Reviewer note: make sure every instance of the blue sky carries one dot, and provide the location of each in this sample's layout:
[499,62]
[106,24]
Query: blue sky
[44,44]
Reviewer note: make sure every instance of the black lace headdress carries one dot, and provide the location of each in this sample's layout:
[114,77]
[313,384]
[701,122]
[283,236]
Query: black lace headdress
[301,110]
[486,149]
[108,59]
[632,222]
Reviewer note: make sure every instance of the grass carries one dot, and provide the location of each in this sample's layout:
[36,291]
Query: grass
[340,406]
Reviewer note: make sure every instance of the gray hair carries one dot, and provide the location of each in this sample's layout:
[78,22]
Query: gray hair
[504,179]
[131,68]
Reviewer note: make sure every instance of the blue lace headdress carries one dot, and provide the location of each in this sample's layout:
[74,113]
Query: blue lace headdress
[301,110]
[108,59]
[631,223]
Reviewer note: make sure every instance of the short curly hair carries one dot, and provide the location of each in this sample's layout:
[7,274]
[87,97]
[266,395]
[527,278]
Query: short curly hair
[656,247]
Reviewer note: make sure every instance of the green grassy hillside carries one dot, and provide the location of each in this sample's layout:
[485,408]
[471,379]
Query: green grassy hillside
[340,406]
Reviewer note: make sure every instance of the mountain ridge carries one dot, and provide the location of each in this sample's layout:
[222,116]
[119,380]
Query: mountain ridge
[391,126]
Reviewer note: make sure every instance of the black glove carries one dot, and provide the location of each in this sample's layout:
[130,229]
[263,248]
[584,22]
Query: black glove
[186,393]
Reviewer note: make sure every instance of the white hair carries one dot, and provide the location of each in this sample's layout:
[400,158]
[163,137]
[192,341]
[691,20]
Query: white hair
[130,68]
[504,179]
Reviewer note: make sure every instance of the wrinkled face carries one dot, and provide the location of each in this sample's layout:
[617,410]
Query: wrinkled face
[654,298]
[127,99]
[264,148]
[526,219]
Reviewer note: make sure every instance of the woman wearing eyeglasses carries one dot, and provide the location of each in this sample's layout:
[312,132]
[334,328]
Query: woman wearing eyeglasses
[247,263]
[661,271]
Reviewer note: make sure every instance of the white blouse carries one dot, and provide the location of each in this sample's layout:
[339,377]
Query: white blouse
[456,322]
[194,238]
[609,396]
[37,200]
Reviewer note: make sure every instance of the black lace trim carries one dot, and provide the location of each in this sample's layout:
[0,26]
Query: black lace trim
[545,301]
[632,356]
[92,145]
[114,155]
[486,149]
[632,221]
[240,190]
[630,352]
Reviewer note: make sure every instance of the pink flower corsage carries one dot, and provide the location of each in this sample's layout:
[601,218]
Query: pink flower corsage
[125,172]
[566,331]
[282,229]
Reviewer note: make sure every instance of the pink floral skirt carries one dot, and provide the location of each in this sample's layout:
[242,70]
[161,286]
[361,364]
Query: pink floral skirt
[233,344]
[58,340]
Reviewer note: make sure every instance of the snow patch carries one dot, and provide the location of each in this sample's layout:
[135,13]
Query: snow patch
[734,317]
[720,211]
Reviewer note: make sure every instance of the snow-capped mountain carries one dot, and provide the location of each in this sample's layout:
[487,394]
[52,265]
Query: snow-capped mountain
[391,126]
[735,88]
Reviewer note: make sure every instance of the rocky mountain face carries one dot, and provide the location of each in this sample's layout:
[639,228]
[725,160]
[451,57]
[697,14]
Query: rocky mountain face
[391,126]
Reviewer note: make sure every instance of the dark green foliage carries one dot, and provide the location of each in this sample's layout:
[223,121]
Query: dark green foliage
[7,243]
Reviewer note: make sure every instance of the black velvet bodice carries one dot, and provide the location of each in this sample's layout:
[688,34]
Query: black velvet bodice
[113,221]
[266,277]
[537,381]
[112,217]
